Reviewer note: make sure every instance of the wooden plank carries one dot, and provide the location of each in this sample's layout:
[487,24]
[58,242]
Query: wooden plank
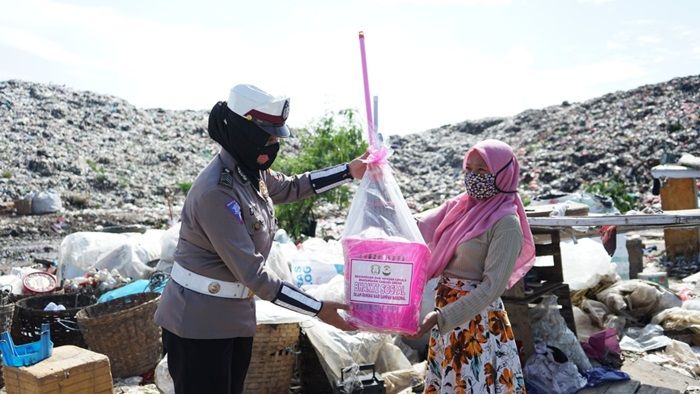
[635,251]
[572,209]
[680,194]
[674,171]
[670,218]
[677,194]
[681,242]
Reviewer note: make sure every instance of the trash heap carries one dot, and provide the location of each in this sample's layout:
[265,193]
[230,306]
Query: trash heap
[103,282]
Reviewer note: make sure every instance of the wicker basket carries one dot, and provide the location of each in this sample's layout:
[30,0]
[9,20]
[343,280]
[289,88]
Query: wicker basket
[313,378]
[6,312]
[272,360]
[30,314]
[124,330]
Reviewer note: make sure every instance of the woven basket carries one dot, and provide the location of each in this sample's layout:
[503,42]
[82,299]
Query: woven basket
[30,314]
[272,360]
[313,378]
[6,312]
[124,330]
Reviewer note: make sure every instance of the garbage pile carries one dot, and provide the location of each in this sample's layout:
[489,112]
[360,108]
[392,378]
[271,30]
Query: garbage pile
[657,320]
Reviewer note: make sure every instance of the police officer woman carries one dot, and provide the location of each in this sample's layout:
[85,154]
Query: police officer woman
[207,310]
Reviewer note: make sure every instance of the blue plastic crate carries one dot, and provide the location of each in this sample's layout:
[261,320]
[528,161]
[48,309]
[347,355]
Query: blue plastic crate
[27,354]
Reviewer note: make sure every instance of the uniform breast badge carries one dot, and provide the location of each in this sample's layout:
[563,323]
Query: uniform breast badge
[263,189]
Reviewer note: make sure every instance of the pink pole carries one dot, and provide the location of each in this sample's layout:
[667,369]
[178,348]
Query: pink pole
[368,104]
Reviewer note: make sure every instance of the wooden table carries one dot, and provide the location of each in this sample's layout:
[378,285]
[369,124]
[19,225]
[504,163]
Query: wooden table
[546,229]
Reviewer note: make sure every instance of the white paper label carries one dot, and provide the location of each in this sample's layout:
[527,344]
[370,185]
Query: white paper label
[380,282]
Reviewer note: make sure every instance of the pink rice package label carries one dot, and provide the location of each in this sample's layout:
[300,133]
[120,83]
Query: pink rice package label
[384,281]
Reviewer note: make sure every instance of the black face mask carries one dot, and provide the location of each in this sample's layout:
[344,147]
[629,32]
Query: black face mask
[271,152]
[243,139]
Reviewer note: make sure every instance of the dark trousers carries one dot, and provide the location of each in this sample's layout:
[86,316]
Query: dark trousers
[209,366]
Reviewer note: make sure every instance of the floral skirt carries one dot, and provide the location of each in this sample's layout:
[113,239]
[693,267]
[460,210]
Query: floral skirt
[479,356]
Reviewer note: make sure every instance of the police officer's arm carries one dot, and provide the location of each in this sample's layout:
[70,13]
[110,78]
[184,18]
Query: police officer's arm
[229,236]
[221,219]
[285,189]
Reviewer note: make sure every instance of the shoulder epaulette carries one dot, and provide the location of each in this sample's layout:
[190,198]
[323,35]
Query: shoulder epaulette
[226,178]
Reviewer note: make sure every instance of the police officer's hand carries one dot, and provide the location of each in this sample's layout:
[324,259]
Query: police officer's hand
[329,314]
[358,166]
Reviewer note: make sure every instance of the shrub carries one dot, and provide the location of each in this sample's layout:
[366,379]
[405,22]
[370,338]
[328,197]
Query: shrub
[184,186]
[614,189]
[336,138]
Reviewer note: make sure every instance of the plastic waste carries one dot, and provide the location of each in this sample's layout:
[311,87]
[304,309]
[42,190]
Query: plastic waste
[621,258]
[168,244]
[162,377]
[644,339]
[585,263]
[316,262]
[48,201]
[52,307]
[549,326]
[135,287]
[128,253]
[550,371]
[604,348]
[339,349]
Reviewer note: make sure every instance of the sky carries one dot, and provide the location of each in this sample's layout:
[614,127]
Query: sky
[430,62]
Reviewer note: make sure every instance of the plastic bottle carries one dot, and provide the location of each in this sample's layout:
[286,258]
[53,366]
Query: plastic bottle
[620,258]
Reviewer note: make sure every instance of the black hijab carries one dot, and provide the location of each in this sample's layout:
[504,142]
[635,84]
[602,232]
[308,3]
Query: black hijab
[241,138]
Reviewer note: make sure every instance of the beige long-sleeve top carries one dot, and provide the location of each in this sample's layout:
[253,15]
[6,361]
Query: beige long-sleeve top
[488,258]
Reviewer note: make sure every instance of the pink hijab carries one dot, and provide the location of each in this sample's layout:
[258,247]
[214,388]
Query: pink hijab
[463,217]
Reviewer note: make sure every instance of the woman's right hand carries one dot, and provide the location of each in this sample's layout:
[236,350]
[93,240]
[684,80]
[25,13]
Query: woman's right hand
[429,321]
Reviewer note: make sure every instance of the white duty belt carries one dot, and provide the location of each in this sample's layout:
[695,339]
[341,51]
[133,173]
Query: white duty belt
[208,286]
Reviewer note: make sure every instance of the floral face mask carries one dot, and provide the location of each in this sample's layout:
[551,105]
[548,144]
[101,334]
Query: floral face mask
[480,186]
[483,186]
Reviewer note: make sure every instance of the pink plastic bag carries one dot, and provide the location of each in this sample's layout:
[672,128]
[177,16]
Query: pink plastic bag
[385,257]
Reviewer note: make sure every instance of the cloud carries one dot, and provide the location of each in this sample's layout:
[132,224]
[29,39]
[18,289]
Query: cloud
[148,62]
[447,2]
[640,22]
[615,45]
[38,45]
[596,2]
[423,79]
[648,39]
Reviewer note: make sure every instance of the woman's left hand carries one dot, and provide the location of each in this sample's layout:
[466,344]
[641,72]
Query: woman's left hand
[358,166]
[429,321]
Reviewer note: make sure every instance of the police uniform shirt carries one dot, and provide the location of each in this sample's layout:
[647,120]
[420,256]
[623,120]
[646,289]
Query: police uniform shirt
[226,234]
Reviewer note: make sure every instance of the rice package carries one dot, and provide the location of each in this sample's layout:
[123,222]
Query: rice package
[385,256]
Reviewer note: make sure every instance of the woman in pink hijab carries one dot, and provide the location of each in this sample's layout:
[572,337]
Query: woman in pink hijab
[481,244]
